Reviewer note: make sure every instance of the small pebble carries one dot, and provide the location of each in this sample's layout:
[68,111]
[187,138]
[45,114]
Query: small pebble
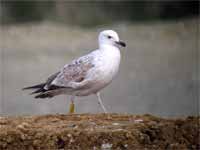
[115,124]
[106,146]
[138,120]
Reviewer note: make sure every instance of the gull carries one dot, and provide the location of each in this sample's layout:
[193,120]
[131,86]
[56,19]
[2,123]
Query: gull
[87,74]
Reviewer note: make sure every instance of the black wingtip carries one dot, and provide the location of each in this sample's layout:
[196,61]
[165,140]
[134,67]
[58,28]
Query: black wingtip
[44,95]
[38,86]
[38,91]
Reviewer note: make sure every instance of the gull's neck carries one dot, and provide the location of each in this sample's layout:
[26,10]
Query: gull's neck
[110,52]
[107,46]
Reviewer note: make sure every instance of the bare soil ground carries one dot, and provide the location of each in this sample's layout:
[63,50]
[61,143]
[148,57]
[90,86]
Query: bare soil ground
[98,131]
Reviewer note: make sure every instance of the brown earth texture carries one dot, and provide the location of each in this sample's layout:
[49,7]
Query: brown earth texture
[99,132]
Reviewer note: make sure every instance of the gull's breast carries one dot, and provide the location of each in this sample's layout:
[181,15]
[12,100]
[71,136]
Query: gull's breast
[106,68]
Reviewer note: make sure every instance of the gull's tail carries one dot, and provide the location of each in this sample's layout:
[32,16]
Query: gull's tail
[39,88]
[41,92]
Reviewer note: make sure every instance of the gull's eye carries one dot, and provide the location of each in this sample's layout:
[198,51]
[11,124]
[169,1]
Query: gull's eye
[109,37]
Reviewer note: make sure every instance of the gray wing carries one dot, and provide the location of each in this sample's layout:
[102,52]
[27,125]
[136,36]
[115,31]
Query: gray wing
[71,73]
[74,72]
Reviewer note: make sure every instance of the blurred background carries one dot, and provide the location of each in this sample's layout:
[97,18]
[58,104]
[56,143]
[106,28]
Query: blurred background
[159,67]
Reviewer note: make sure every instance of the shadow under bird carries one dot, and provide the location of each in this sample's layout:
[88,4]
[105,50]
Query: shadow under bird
[86,75]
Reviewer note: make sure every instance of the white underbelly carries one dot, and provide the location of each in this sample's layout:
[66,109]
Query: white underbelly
[91,90]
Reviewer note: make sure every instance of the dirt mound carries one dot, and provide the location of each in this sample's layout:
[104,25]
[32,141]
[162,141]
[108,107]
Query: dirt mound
[98,131]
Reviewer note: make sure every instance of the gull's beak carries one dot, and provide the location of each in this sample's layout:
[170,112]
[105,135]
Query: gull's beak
[121,43]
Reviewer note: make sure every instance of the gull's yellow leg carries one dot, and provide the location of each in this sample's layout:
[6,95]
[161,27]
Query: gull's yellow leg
[71,108]
[72,105]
